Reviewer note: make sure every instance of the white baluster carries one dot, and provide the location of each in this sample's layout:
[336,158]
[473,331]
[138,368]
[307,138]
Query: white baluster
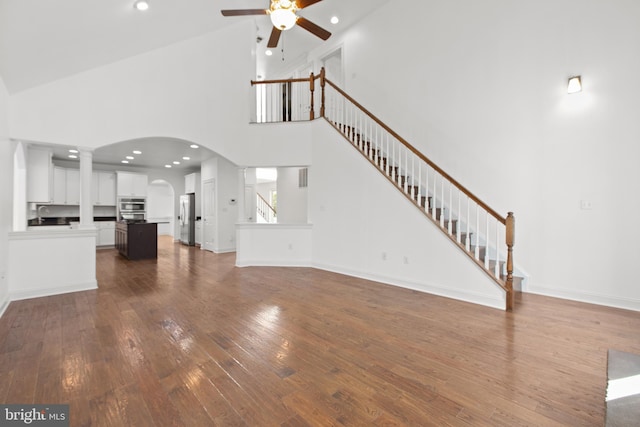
[426,188]
[413,173]
[419,198]
[459,216]
[435,193]
[486,253]
[496,269]
[468,239]
[442,202]
[406,170]
[477,254]
[449,225]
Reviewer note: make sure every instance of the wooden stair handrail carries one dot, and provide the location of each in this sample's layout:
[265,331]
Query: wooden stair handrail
[508,221]
[462,188]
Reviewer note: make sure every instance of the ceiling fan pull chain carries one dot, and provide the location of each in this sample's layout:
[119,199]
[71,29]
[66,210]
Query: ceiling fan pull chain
[283,37]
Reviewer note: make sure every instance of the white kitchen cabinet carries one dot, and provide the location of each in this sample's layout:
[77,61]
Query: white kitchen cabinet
[66,186]
[59,186]
[103,188]
[39,176]
[106,235]
[131,184]
[73,187]
[192,183]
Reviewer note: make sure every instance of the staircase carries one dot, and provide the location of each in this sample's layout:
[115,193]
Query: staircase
[485,236]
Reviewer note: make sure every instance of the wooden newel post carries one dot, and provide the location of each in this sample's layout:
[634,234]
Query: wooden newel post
[311,87]
[510,238]
[322,82]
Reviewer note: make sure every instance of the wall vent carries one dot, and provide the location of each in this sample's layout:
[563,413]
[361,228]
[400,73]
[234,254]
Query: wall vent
[303,177]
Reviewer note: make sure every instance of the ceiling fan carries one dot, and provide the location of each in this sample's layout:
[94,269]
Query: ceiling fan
[283,17]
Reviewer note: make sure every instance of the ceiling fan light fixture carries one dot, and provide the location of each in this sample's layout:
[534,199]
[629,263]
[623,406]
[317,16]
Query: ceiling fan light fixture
[283,14]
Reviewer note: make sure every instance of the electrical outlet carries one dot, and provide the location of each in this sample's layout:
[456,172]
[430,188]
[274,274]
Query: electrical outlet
[586,205]
[384,256]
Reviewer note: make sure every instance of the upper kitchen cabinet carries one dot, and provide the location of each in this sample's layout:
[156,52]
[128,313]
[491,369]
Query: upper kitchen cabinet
[39,176]
[66,186]
[103,188]
[192,183]
[131,184]
[59,186]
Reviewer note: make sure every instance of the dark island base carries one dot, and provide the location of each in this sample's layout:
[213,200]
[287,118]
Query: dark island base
[138,240]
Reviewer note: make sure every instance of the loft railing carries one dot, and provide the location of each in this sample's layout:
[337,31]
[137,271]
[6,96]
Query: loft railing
[265,210]
[479,231]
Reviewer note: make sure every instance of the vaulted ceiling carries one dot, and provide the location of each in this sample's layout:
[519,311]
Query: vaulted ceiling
[42,41]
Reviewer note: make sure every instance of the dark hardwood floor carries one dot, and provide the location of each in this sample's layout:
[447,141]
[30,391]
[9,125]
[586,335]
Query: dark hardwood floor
[191,340]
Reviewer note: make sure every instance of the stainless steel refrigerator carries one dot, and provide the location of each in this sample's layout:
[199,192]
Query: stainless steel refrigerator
[188,219]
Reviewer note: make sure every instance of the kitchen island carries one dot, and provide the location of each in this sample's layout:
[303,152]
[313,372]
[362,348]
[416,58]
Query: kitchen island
[137,239]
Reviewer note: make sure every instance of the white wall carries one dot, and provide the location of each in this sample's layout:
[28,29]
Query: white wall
[292,200]
[480,87]
[161,206]
[6,195]
[364,226]
[197,90]
[225,174]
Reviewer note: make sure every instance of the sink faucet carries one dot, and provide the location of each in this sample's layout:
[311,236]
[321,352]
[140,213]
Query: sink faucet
[46,211]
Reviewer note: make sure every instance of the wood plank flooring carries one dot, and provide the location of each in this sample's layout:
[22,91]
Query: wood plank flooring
[191,340]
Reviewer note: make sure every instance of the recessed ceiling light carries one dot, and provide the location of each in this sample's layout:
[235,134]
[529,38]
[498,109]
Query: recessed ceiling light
[124,161]
[137,152]
[73,151]
[176,163]
[141,5]
[73,156]
[194,146]
[334,20]
[130,157]
[167,166]
[186,158]
[268,52]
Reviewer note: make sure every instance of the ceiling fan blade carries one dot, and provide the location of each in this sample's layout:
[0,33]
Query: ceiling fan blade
[242,12]
[313,28]
[275,37]
[305,3]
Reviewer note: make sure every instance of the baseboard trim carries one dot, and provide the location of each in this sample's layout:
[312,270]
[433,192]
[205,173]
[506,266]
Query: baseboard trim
[264,263]
[4,305]
[223,250]
[426,287]
[587,297]
[38,293]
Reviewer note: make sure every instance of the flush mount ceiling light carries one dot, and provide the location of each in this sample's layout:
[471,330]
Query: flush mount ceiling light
[575,84]
[141,4]
[73,151]
[283,14]
[268,52]
[194,146]
[186,158]
[334,20]
[137,152]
